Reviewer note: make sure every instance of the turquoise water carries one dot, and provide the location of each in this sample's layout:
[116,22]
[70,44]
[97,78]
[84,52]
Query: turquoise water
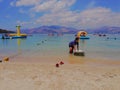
[42,46]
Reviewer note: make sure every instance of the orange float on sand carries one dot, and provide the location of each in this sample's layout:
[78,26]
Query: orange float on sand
[6,59]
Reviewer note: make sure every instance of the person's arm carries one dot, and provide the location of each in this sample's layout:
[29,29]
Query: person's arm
[77,46]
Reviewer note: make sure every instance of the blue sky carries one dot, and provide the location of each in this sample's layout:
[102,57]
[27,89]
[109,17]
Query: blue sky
[71,13]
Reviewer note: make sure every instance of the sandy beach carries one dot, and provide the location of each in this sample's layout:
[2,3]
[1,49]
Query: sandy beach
[45,76]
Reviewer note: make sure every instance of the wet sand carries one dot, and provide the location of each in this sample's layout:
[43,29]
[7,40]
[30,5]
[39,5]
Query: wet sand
[46,76]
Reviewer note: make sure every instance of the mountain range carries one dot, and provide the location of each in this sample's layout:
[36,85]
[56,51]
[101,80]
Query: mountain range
[65,30]
[51,29]
[106,30]
[69,30]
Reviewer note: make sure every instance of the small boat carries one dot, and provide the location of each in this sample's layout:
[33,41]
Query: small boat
[84,37]
[14,36]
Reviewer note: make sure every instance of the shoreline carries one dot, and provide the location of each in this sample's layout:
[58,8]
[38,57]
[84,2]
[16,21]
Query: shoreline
[68,60]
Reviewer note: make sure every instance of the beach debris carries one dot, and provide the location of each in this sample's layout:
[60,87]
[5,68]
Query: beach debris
[61,63]
[6,59]
[0,61]
[57,65]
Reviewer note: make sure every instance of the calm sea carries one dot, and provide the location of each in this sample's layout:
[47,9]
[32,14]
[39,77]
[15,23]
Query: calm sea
[41,47]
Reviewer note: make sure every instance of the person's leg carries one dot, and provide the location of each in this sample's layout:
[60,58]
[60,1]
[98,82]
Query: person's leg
[70,50]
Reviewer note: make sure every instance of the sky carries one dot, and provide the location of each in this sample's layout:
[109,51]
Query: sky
[70,13]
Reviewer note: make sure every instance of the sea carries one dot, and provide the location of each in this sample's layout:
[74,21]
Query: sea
[45,48]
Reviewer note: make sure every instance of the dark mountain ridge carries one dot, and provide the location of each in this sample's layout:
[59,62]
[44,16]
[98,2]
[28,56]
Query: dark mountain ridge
[6,31]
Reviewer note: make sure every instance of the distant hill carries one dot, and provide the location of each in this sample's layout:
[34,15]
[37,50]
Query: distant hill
[51,29]
[109,30]
[69,30]
[6,31]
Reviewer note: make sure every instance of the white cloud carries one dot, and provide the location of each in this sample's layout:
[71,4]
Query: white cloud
[25,2]
[53,5]
[62,18]
[57,12]
[90,18]
[44,5]
[98,17]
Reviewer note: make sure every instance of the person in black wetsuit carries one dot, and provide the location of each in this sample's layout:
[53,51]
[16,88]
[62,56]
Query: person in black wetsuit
[74,45]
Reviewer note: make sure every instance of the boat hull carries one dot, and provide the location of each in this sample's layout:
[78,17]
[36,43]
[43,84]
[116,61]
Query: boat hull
[14,37]
[84,38]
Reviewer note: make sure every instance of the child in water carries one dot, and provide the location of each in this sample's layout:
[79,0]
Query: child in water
[74,45]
